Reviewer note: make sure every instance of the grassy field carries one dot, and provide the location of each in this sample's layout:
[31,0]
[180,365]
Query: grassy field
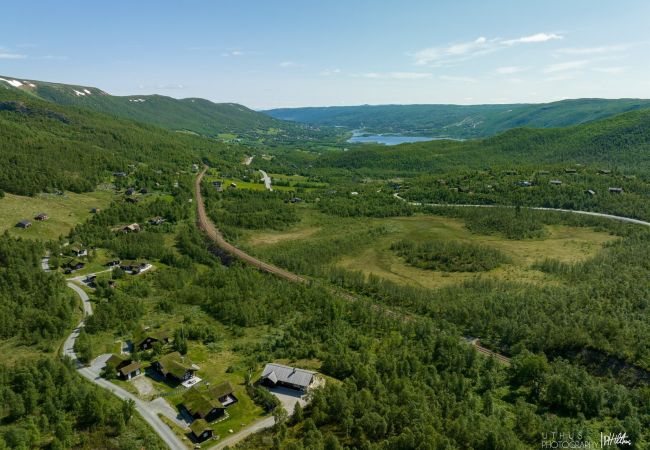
[65,212]
[566,244]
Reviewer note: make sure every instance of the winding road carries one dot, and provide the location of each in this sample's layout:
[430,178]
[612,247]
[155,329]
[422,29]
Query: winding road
[147,413]
[534,208]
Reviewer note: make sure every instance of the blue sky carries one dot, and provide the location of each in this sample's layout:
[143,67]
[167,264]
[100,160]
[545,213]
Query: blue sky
[305,53]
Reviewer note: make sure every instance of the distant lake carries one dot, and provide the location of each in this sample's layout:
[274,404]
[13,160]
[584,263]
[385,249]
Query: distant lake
[388,139]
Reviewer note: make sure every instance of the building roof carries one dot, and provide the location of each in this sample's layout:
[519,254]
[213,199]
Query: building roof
[199,426]
[176,364]
[114,360]
[199,401]
[130,368]
[156,335]
[221,389]
[286,374]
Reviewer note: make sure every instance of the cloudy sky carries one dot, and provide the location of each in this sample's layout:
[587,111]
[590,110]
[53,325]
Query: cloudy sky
[338,52]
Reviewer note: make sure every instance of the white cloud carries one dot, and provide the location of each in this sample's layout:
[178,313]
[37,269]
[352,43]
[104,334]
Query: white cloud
[564,66]
[394,75]
[509,70]
[442,55]
[592,50]
[539,37]
[409,75]
[11,56]
[610,70]
[447,54]
[289,64]
[328,72]
[562,77]
[458,78]
[233,53]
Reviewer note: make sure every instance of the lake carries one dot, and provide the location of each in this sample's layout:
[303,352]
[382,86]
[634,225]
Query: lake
[388,139]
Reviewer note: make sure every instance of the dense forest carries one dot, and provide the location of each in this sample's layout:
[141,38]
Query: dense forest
[47,405]
[617,142]
[400,372]
[411,383]
[47,147]
[449,256]
[249,209]
[33,305]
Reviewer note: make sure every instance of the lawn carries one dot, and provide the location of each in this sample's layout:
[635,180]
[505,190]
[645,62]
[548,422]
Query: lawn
[65,212]
[219,362]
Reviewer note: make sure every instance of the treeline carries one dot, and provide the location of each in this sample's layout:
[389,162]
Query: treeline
[598,300]
[250,209]
[46,405]
[413,384]
[34,305]
[310,257]
[363,204]
[618,142]
[587,189]
[102,230]
[449,256]
[48,147]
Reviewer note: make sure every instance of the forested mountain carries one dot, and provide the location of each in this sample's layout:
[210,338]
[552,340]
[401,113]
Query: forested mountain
[48,147]
[193,115]
[459,121]
[622,141]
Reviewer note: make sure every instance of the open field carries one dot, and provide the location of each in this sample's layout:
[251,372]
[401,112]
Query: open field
[65,212]
[562,243]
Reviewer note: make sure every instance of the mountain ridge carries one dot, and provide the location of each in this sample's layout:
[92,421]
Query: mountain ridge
[228,121]
[460,121]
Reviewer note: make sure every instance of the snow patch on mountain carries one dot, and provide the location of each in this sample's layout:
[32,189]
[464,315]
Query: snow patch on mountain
[14,83]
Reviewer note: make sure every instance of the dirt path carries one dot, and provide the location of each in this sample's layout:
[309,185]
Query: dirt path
[215,235]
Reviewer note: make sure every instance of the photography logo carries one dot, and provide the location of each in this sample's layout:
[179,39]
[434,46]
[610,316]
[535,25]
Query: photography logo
[561,440]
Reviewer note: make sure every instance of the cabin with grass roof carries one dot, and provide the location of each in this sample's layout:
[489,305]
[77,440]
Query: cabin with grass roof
[201,431]
[147,339]
[201,405]
[123,368]
[176,367]
[224,392]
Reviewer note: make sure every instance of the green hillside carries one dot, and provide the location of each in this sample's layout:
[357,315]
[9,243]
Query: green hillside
[225,120]
[458,121]
[47,147]
[622,141]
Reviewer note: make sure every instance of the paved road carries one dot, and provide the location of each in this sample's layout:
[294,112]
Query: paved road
[80,278]
[267,180]
[288,399]
[92,373]
[536,208]
[253,428]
